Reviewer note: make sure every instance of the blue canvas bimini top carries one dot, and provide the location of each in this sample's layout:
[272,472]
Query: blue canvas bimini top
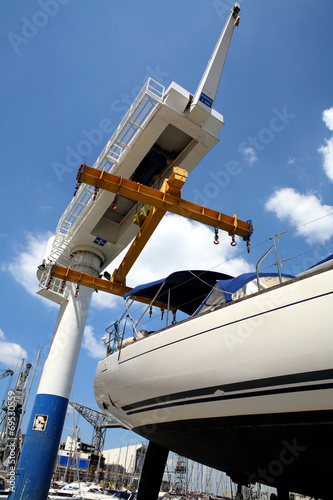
[185,289]
[234,288]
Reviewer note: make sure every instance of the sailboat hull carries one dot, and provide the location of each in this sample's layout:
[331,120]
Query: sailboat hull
[247,388]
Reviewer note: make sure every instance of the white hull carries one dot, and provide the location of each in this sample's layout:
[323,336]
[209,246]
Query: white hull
[274,334]
[265,360]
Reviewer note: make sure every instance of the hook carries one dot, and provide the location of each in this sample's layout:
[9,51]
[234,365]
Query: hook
[216,237]
[113,205]
[76,188]
[95,193]
[233,241]
[78,184]
[248,237]
[50,277]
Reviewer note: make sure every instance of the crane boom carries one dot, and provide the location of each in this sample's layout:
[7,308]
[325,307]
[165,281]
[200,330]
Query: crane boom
[206,92]
[94,417]
[6,373]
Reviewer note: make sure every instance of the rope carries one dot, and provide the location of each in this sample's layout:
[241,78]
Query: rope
[301,225]
[198,277]
[299,255]
[139,308]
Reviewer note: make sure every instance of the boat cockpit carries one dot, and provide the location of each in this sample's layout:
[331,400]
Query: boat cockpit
[189,292]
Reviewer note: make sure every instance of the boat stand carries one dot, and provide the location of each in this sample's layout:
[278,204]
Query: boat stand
[152,472]
[283,493]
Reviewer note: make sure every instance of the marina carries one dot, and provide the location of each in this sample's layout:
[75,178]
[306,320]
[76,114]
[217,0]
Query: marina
[227,369]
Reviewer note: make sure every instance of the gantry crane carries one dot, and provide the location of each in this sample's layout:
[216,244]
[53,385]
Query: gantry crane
[3,408]
[6,373]
[10,430]
[100,423]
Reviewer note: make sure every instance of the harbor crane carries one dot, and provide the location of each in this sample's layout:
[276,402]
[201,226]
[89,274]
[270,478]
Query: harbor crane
[100,423]
[13,409]
[164,129]
[6,373]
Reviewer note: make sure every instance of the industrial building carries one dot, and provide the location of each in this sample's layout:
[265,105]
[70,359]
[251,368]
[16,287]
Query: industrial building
[118,467]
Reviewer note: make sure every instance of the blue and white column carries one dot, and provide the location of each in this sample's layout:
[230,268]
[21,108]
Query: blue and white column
[39,452]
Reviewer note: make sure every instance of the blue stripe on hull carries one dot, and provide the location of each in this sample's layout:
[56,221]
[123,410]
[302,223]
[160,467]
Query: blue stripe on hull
[39,452]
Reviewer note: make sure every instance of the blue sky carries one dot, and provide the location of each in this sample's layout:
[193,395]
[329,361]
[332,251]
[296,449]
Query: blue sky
[70,67]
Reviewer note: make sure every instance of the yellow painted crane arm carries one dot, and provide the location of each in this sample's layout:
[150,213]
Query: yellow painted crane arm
[172,186]
[164,200]
[67,274]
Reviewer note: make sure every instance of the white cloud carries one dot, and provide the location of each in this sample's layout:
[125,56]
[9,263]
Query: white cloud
[250,155]
[23,265]
[180,244]
[94,347]
[103,300]
[298,209]
[10,352]
[327,152]
[328,118]
[46,209]
[327,149]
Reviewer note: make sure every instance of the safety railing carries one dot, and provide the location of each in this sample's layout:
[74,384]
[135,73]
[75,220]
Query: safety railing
[53,285]
[126,134]
[115,338]
[277,262]
[133,122]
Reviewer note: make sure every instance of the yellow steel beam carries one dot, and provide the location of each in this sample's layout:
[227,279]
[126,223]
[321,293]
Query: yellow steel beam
[138,244]
[172,185]
[167,199]
[164,200]
[117,284]
[89,281]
